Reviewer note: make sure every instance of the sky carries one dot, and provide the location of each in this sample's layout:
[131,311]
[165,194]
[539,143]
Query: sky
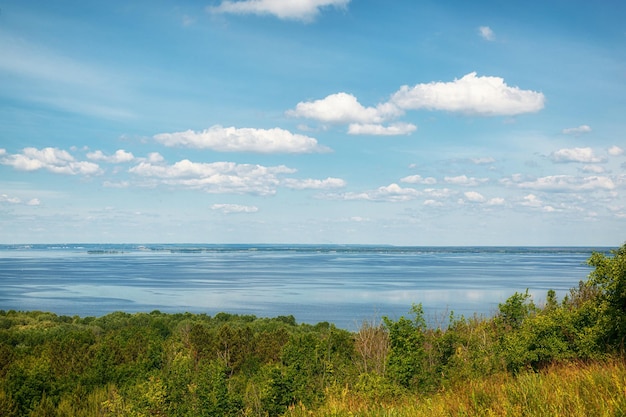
[398,122]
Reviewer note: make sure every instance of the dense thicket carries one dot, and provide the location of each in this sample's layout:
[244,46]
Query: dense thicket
[156,364]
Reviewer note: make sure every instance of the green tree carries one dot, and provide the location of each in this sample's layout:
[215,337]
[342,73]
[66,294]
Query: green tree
[609,278]
[516,309]
[406,348]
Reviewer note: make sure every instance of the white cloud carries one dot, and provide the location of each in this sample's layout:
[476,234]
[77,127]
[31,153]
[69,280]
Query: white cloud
[314,184]
[344,108]
[231,139]
[613,151]
[155,158]
[464,180]
[226,177]
[564,183]
[533,201]
[4,198]
[418,179]
[433,203]
[391,193]
[577,130]
[234,208]
[584,155]
[304,10]
[120,156]
[474,197]
[487,33]
[216,177]
[496,201]
[439,192]
[54,160]
[484,96]
[2,151]
[379,130]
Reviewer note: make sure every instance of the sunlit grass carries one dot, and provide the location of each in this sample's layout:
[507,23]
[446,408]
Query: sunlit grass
[575,389]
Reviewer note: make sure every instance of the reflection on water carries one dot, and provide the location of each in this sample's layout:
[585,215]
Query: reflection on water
[340,284]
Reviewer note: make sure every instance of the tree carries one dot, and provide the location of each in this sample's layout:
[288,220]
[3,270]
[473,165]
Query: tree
[516,309]
[609,279]
[406,348]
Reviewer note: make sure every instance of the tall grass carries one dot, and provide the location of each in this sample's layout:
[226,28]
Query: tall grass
[574,389]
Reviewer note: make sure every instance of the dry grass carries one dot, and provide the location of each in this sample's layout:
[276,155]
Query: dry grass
[575,389]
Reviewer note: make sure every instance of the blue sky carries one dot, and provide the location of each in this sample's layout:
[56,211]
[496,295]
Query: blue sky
[313,121]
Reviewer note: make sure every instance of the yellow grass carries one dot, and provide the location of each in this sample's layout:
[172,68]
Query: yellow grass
[571,390]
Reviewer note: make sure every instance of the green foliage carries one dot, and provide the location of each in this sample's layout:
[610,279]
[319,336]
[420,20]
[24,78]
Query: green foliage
[516,309]
[609,279]
[406,353]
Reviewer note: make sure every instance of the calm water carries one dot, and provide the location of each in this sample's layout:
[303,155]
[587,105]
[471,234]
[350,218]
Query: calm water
[339,284]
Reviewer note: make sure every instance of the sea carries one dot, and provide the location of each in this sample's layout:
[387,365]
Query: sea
[346,285]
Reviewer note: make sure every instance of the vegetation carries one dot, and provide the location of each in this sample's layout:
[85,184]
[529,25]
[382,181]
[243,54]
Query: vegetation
[562,358]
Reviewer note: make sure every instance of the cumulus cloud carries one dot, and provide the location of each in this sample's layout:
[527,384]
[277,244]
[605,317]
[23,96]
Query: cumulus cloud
[394,129]
[155,158]
[486,33]
[226,177]
[54,160]
[484,96]
[120,156]
[344,108]
[533,201]
[390,193]
[613,151]
[433,203]
[234,208]
[474,197]
[438,192]
[565,183]
[216,177]
[584,155]
[231,139]
[496,201]
[464,180]
[4,198]
[418,179]
[303,10]
[313,184]
[577,130]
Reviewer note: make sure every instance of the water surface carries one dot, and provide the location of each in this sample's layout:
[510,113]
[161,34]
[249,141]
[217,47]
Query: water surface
[339,284]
